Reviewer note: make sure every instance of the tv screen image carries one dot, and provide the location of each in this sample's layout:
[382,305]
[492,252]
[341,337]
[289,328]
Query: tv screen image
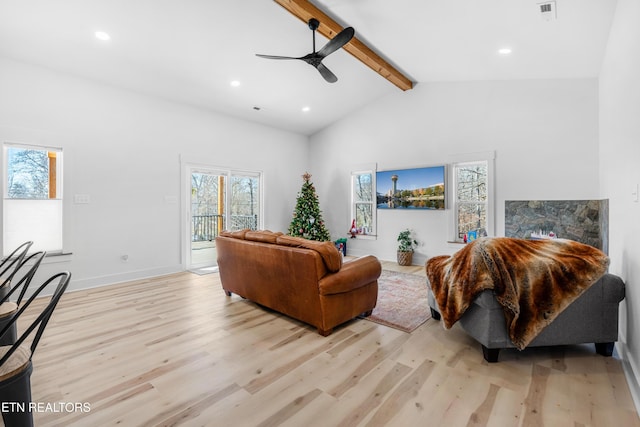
[416,188]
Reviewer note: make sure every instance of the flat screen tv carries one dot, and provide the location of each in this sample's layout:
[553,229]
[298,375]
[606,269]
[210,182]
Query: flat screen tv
[417,188]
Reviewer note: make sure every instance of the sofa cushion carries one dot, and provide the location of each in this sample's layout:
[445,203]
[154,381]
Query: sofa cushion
[264,236]
[327,250]
[238,234]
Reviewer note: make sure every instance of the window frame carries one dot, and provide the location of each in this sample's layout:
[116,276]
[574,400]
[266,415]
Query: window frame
[58,199]
[234,173]
[464,160]
[367,170]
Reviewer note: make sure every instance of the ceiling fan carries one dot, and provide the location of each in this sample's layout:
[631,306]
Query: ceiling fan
[315,58]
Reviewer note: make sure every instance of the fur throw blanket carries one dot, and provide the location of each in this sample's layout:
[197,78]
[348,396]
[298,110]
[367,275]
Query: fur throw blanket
[533,280]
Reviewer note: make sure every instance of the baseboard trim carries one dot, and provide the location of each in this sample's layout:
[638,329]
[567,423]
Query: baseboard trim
[418,259]
[113,279]
[631,372]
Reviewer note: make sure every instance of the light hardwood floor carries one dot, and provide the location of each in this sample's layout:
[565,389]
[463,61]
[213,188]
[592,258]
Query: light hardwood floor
[175,350]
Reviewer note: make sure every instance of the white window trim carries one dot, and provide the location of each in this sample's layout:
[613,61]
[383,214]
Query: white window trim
[455,159]
[59,193]
[369,168]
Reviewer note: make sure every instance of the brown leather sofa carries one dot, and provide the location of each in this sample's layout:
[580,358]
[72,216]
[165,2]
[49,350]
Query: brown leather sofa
[300,278]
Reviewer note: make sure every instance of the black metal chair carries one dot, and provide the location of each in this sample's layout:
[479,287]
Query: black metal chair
[10,264]
[9,308]
[15,361]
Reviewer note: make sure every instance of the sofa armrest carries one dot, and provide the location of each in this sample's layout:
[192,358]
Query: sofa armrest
[613,288]
[487,300]
[352,275]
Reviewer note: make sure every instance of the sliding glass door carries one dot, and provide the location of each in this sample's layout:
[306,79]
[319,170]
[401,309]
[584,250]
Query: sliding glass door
[208,215]
[219,200]
[244,201]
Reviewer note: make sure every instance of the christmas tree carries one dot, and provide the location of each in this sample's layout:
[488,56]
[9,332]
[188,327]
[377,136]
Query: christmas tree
[307,218]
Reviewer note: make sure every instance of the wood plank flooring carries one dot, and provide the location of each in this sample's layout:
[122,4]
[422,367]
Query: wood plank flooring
[175,350]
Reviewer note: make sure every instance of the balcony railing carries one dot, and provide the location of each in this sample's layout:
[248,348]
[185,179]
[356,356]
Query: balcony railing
[207,227]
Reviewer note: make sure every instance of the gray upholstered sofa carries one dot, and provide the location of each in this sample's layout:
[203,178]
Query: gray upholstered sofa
[592,318]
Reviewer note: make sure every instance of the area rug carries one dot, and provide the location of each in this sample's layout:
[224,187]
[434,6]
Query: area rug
[402,301]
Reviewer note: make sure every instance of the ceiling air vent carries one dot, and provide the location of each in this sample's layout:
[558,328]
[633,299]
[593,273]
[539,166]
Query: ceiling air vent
[548,10]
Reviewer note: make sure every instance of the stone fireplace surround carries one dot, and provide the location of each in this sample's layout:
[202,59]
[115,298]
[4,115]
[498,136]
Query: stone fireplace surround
[585,221]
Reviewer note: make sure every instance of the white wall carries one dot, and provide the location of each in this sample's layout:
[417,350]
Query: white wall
[544,134]
[123,149]
[620,171]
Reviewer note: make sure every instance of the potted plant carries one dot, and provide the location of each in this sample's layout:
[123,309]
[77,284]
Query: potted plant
[406,244]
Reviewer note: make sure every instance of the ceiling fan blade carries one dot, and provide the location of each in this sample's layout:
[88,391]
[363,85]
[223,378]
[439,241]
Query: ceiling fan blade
[326,73]
[337,42]
[275,56]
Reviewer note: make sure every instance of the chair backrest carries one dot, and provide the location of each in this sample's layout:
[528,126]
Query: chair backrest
[14,259]
[61,281]
[25,280]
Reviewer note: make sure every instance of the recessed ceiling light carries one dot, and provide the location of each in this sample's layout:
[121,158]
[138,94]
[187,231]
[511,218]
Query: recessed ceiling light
[235,83]
[504,51]
[101,35]
[306,109]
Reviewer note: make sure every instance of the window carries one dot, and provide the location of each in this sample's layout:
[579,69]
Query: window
[244,206]
[362,202]
[471,199]
[32,206]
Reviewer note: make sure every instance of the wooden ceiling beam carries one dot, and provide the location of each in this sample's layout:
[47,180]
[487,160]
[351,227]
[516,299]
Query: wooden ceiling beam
[329,28]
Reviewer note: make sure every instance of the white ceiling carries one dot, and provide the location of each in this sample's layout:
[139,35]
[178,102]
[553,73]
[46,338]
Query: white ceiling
[190,50]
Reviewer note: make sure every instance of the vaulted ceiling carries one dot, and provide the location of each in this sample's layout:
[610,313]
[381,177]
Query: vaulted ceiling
[190,51]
